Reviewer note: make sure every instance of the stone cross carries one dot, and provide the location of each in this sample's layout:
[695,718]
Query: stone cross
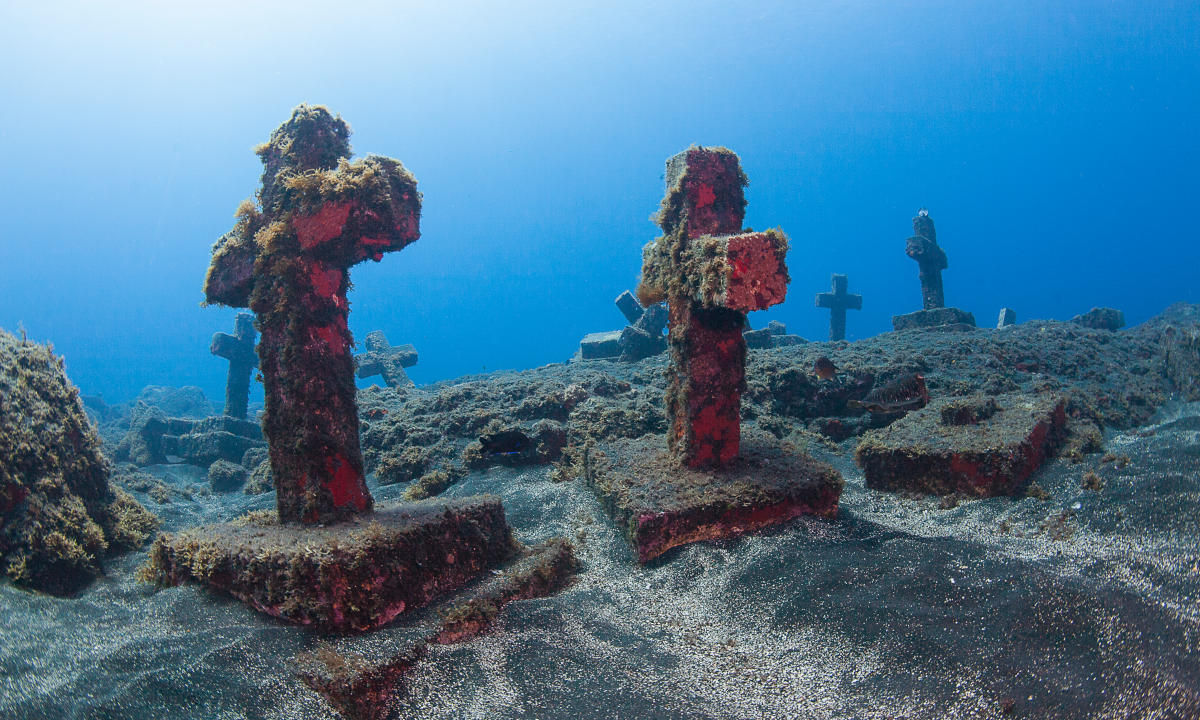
[289,260]
[382,358]
[923,248]
[238,349]
[711,274]
[838,301]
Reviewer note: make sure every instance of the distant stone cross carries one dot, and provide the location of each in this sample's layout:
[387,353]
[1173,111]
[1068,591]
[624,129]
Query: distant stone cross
[290,263]
[238,349]
[923,248]
[381,358]
[711,274]
[838,301]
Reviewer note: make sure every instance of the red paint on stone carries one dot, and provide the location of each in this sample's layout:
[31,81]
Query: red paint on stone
[345,485]
[322,226]
[757,280]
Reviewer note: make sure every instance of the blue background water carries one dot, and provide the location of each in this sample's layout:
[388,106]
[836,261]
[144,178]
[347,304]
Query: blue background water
[1054,143]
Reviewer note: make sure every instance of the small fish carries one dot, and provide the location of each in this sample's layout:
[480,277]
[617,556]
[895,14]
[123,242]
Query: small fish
[505,443]
[901,395]
[376,413]
[824,369]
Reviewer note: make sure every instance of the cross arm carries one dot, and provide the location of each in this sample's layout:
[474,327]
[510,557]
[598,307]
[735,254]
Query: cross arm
[357,211]
[740,272]
[230,276]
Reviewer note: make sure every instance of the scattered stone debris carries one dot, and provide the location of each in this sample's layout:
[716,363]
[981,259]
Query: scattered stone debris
[386,360]
[931,259]
[59,514]
[838,301]
[238,349]
[980,446]
[1101,318]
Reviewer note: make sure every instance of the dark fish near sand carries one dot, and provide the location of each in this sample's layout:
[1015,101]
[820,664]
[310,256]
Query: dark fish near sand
[901,395]
[824,369]
[505,443]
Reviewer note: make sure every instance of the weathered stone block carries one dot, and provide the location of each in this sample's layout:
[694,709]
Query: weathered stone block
[758,339]
[600,345]
[1008,317]
[937,317]
[660,505]
[629,307]
[1101,318]
[979,447]
[351,576]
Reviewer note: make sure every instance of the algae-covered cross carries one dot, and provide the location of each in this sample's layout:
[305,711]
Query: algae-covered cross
[838,301]
[931,259]
[711,274]
[289,260]
[238,349]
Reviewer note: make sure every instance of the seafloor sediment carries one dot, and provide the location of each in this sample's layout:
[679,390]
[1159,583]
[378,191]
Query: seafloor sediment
[1075,601]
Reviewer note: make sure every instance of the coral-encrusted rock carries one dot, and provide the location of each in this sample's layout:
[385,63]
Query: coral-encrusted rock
[978,447]
[356,575]
[1101,318]
[660,505]
[58,513]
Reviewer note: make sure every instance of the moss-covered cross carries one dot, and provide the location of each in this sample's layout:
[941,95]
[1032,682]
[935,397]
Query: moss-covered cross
[711,274]
[288,258]
[238,349]
[931,258]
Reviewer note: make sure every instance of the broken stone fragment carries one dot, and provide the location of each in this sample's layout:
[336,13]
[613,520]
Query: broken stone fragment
[942,318]
[1008,317]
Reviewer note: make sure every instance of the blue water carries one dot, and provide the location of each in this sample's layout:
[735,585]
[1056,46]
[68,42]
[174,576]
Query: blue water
[1054,144]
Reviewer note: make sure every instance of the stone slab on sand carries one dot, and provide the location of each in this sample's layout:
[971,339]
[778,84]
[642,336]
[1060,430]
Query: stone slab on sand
[660,505]
[980,446]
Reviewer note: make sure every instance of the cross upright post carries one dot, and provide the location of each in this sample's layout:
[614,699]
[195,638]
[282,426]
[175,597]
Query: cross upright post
[838,301]
[288,258]
[711,273]
[238,349]
[923,248]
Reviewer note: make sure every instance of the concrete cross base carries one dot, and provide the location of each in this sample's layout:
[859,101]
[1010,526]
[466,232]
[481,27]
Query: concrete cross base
[978,446]
[946,318]
[660,505]
[353,576]
[361,685]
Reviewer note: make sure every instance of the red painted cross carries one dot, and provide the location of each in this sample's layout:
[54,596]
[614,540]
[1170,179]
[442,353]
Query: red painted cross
[711,275]
[290,263]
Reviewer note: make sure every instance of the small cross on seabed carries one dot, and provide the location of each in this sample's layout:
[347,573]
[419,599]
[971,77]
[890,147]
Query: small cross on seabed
[838,301]
[238,349]
[386,360]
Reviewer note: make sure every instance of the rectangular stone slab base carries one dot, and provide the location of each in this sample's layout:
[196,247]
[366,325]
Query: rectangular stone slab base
[351,576]
[978,446]
[660,504]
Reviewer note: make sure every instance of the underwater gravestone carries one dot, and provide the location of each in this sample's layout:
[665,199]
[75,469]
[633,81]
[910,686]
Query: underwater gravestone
[642,338]
[386,360]
[326,560]
[977,446]
[931,259]
[1008,317]
[238,349]
[838,301]
[703,484]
